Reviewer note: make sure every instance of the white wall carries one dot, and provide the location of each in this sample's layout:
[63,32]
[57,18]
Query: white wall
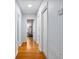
[24,26]
[18,16]
[35,29]
[55,29]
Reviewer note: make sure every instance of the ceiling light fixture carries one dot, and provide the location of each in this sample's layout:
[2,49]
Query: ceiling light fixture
[29,5]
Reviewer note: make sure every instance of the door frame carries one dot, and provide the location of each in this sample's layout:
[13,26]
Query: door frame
[44,9]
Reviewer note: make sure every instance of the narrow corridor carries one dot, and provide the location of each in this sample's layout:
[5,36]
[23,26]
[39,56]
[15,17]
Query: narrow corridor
[39,29]
[30,50]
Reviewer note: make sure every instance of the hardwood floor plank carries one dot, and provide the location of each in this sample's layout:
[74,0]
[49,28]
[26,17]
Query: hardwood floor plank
[29,50]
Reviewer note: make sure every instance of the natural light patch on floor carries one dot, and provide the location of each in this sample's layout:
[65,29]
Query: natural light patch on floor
[30,50]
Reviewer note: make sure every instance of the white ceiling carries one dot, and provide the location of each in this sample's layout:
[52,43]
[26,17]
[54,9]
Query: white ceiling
[23,4]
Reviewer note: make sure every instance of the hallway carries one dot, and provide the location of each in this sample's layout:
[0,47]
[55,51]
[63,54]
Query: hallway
[30,50]
[39,29]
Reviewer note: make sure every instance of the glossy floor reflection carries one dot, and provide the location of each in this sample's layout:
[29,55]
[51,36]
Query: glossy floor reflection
[30,50]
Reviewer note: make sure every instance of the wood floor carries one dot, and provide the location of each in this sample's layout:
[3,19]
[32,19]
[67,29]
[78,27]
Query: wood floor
[29,50]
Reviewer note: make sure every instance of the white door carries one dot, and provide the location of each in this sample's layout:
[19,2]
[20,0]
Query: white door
[44,31]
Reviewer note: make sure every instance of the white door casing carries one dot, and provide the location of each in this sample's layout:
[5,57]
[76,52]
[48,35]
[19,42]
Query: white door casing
[44,31]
